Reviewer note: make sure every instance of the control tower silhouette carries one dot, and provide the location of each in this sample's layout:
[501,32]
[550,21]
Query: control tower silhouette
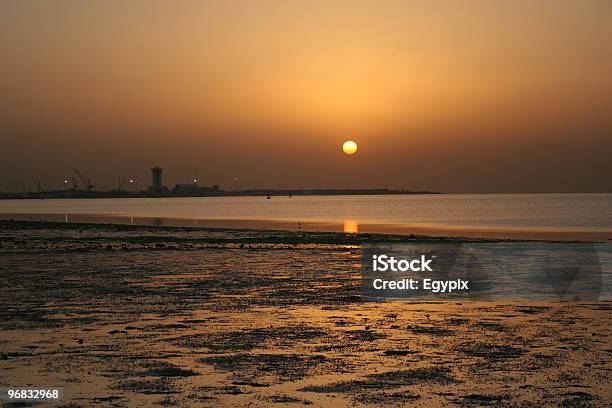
[157,186]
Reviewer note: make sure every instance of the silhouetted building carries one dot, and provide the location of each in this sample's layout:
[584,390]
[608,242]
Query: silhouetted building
[194,189]
[187,188]
[157,186]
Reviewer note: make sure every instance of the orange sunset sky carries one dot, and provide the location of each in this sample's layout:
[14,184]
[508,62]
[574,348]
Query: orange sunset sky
[453,96]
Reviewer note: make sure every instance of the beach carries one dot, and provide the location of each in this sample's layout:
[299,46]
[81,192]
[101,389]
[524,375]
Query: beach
[305,203]
[122,315]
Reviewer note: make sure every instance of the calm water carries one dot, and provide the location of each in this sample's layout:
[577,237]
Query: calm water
[583,212]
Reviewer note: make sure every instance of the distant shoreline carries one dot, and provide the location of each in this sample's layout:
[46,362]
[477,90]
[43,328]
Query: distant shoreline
[365,231]
[63,194]
[257,193]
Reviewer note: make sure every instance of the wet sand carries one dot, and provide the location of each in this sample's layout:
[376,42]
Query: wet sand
[132,316]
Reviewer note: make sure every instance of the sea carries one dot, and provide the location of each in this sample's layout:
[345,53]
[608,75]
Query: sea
[539,215]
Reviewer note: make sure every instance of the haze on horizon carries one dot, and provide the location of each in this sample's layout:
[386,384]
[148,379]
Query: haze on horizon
[471,96]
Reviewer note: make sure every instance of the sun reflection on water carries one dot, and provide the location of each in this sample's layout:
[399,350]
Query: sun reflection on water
[351,227]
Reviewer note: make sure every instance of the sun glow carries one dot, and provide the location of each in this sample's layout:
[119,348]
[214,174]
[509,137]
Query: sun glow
[349,147]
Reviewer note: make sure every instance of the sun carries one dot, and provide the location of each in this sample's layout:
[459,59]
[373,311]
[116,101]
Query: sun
[349,147]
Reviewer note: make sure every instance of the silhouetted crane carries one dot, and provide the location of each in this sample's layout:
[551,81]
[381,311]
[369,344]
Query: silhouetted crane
[120,183]
[86,183]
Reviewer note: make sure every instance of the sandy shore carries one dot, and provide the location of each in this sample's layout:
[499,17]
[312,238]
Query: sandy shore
[132,316]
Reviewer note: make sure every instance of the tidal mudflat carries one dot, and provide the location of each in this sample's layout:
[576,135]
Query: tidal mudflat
[133,316]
